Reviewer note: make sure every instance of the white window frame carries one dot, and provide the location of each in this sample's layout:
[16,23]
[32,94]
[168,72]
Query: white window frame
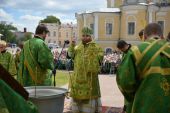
[128,27]
[109,28]
[127,20]
[109,20]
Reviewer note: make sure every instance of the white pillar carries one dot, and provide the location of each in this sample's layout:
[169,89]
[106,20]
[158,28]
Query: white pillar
[84,18]
[150,16]
[96,27]
[150,11]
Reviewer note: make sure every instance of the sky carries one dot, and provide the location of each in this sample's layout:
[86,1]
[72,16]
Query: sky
[28,13]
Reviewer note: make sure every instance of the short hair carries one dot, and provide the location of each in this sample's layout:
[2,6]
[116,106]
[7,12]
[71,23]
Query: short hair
[41,28]
[153,29]
[121,44]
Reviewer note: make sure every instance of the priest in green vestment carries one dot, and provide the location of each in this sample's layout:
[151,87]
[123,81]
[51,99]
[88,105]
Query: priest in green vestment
[36,60]
[124,47]
[7,59]
[85,89]
[143,77]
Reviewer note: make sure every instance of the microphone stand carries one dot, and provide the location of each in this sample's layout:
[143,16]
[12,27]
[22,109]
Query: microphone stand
[55,67]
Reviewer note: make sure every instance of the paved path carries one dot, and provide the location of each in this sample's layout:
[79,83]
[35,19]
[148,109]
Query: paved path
[110,94]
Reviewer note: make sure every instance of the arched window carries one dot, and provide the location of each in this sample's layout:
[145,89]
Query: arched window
[131,25]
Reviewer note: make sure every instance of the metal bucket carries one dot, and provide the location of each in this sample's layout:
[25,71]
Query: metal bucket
[48,99]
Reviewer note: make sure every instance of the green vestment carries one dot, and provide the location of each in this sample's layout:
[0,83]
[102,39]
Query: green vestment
[12,102]
[84,81]
[36,61]
[144,77]
[8,62]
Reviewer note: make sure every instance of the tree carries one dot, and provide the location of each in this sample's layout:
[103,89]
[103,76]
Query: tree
[51,19]
[6,30]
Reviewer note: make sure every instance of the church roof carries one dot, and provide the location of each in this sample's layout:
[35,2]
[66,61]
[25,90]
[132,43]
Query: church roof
[102,10]
[147,2]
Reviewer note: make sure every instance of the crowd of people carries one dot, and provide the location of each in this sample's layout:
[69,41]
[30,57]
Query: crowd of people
[108,65]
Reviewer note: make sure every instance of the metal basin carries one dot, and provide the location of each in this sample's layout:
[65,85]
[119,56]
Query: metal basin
[47,98]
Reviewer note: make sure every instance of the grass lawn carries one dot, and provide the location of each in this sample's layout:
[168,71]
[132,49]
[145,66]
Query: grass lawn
[62,78]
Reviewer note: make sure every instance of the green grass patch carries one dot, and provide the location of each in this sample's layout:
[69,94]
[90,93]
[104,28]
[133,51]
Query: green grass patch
[62,78]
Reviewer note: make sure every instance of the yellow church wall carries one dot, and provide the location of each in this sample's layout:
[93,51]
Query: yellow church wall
[123,27]
[107,45]
[141,22]
[89,19]
[138,17]
[165,16]
[101,26]
[108,18]
[80,24]
[167,24]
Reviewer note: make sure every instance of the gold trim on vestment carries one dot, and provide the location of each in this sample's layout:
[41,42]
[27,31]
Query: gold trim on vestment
[153,58]
[165,86]
[147,42]
[146,50]
[153,70]
[165,53]
[34,74]
[30,71]
[136,52]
